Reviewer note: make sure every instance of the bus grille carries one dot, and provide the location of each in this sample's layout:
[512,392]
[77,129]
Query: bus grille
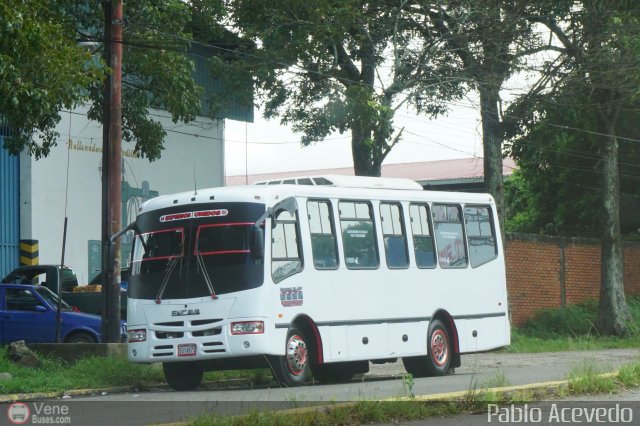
[213,347]
[169,334]
[208,332]
[169,350]
[210,340]
[162,350]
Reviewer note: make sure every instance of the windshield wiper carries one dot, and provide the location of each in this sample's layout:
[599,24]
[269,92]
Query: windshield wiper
[171,264]
[205,273]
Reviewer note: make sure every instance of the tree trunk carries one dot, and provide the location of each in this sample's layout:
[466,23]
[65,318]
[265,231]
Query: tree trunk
[361,151]
[613,314]
[492,147]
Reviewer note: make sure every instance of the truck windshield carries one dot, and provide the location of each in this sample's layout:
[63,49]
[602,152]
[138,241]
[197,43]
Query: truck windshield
[194,257]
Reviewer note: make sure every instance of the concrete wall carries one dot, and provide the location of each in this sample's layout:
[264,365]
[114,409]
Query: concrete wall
[549,272]
[47,193]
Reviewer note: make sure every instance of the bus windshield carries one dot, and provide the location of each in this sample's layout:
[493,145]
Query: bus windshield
[192,258]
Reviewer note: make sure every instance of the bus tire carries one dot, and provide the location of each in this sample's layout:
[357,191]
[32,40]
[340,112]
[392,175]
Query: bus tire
[182,376]
[294,367]
[438,359]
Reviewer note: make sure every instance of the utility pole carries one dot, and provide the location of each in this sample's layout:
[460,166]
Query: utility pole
[112,170]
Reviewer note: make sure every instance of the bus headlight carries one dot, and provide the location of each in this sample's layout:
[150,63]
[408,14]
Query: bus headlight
[247,327]
[137,335]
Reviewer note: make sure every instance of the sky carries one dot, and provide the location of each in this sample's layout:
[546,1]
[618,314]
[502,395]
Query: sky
[266,146]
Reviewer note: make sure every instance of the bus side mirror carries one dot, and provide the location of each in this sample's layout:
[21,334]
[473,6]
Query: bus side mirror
[257,243]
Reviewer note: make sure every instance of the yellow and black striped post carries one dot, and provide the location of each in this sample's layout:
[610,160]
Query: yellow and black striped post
[29,252]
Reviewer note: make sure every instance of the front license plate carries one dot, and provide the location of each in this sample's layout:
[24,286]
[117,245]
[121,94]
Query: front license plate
[187,349]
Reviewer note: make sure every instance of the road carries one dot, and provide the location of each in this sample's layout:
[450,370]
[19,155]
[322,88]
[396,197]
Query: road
[382,382]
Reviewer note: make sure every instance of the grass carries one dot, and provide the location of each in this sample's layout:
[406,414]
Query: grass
[571,328]
[583,379]
[55,375]
[361,412]
[586,379]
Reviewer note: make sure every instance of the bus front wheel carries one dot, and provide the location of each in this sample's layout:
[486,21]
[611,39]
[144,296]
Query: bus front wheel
[182,376]
[439,352]
[293,368]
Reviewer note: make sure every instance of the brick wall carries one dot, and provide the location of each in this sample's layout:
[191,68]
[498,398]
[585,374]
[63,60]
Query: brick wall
[546,272]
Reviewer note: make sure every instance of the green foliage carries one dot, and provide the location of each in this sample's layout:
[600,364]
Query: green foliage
[572,320]
[629,375]
[498,380]
[408,384]
[556,189]
[561,133]
[156,70]
[323,67]
[100,372]
[361,412]
[44,70]
[523,343]
[56,375]
[571,328]
[586,378]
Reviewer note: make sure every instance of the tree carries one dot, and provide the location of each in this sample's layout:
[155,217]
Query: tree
[601,41]
[556,185]
[320,66]
[42,71]
[55,72]
[491,40]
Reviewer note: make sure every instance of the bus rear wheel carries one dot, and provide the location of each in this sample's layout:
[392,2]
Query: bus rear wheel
[293,368]
[182,376]
[439,352]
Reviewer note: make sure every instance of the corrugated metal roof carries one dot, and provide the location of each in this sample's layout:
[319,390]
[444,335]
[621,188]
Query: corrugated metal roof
[442,171]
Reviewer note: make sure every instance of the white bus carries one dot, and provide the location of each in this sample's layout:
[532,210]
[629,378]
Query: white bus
[315,276]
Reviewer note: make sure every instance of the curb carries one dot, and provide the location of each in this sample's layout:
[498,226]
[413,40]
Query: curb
[23,397]
[61,394]
[440,397]
[549,386]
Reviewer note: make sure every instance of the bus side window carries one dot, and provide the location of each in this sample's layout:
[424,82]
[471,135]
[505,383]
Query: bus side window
[358,235]
[480,234]
[449,233]
[285,249]
[323,234]
[395,241]
[422,236]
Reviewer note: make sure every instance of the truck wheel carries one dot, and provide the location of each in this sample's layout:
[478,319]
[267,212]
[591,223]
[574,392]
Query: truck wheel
[182,376]
[81,338]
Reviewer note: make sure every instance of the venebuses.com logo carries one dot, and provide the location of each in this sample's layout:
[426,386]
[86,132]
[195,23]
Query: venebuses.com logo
[20,413]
